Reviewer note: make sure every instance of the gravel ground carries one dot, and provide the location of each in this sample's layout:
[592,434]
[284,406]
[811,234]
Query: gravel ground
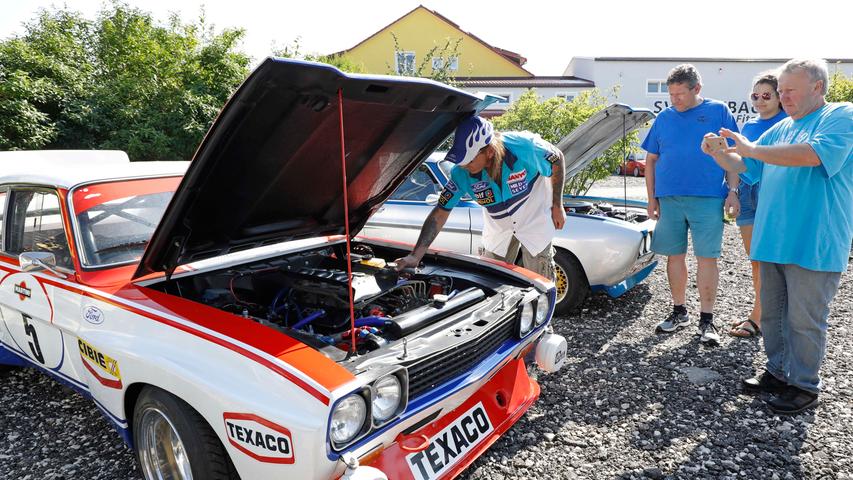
[629,404]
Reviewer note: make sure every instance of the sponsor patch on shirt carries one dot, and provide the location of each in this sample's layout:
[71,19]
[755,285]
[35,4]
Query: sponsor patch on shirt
[445,197]
[480,186]
[517,182]
[449,445]
[451,185]
[486,197]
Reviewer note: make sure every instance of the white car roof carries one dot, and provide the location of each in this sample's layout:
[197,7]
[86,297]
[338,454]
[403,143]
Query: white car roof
[68,168]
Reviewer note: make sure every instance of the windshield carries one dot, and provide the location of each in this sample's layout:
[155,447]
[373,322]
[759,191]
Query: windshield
[115,220]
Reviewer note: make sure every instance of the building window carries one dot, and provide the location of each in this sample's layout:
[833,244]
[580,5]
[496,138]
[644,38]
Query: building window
[452,63]
[503,98]
[566,96]
[405,63]
[656,87]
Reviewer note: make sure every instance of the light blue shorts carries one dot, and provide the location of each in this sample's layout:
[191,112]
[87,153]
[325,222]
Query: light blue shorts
[703,216]
[748,197]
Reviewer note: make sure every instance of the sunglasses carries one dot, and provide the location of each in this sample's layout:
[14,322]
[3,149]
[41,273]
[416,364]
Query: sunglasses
[765,96]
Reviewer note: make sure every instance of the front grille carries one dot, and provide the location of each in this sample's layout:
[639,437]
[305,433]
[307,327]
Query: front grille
[433,371]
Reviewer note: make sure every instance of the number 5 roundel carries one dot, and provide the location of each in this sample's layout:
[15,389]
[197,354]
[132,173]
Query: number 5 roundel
[27,315]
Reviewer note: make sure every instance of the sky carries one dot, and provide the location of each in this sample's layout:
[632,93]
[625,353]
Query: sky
[547,33]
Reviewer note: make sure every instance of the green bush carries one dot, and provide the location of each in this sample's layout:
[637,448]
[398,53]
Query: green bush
[840,88]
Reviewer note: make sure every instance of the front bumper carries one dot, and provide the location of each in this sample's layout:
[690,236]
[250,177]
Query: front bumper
[446,446]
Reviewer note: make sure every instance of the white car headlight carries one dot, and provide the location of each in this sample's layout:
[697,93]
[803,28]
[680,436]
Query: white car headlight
[388,393]
[526,318]
[542,308]
[348,419]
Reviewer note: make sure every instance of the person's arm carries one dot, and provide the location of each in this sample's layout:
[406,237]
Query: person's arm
[558,182]
[653,208]
[732,203]
[432,226]
[729,161]
[796,155]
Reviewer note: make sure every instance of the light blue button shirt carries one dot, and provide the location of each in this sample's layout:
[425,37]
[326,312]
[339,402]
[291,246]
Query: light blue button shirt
[805,216]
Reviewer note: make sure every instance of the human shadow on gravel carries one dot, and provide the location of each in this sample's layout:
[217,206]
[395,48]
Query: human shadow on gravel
[674,428]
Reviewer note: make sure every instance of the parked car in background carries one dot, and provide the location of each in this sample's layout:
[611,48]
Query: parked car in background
[212,317]
[634,166]
[604,246]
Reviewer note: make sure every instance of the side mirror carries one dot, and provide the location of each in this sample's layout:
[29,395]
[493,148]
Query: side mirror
[432,199]
[38,261]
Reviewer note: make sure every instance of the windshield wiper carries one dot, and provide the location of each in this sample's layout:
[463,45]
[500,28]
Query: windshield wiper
[140,243]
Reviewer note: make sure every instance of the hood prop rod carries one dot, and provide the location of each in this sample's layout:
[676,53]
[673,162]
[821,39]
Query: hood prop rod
[346,221]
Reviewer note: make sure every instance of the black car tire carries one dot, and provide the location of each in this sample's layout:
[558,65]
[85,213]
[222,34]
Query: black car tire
[619,170]
[577,286]
[636,171]
[207,456]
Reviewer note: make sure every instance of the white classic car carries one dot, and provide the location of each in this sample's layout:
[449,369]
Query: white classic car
[604,246]
[224,322]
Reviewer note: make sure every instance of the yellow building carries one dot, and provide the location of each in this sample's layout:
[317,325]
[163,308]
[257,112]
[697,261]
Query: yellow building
[423,30]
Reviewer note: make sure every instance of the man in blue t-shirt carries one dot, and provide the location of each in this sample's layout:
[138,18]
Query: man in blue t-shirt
[518,178]
[686,191]
[803,228]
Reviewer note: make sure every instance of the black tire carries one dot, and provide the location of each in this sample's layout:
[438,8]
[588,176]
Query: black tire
[576,284]
[636,171]
[207,457]
[619,170]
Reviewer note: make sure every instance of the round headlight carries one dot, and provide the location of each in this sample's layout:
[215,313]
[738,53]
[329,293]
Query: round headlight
[386,398]
[542,308]
[526,318]
[348,418]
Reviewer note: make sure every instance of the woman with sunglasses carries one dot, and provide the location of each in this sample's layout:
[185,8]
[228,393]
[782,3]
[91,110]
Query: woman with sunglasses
[765,101]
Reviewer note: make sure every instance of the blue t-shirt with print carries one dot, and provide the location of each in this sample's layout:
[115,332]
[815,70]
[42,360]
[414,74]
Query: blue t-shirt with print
[752,130]
[676,137]
[527,157]
[805,216]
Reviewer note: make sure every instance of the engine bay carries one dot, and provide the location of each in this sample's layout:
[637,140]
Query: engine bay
[600,208]
[305,295]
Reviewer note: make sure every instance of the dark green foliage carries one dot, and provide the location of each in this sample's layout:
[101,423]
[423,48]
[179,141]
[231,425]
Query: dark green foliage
[121,82]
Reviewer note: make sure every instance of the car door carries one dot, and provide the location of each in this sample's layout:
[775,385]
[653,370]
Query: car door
[403,214]
[33,223]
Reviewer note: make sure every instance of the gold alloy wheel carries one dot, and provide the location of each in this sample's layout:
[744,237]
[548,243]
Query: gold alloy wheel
[562,282]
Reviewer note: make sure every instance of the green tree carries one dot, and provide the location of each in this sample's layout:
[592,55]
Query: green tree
[840,87]
[341,62]
[554,118]
[123,81]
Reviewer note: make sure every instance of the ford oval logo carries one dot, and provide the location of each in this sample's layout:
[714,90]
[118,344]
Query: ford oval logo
[93,315]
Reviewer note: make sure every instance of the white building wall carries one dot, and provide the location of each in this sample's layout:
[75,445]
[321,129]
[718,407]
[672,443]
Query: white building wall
[727,81]
[514,94]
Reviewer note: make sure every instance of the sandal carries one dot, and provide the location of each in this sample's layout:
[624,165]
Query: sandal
[745,329]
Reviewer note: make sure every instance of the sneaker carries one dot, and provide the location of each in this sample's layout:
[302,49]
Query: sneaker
[673,322]
[708,333]
[765,382]
[792,400]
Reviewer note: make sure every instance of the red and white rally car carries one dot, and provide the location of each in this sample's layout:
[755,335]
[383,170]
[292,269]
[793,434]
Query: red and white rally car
[217,314]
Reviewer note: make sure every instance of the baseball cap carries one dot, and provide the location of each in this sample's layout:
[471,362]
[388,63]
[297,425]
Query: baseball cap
[472,134]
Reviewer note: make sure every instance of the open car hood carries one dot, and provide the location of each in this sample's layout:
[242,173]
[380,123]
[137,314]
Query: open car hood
[269,169]
[591,138]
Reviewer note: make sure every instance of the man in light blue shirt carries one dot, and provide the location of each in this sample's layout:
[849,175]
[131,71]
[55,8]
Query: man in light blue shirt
[803,228]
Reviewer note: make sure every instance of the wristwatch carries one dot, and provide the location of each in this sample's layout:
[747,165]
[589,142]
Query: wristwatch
[735,190]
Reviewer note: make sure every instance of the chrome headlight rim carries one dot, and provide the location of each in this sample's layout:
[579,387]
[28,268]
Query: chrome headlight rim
[526,317]
[381,415]
[362,396]
[543,306]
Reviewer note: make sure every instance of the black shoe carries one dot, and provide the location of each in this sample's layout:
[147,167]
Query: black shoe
[765,382]
[792,400]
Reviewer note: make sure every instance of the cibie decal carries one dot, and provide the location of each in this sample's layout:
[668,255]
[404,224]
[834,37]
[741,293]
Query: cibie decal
[103,367]
[259,438]
[93,315]
[22,290]
[449,445]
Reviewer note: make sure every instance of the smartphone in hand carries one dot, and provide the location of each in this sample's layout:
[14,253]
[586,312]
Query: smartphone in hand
[716,143]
